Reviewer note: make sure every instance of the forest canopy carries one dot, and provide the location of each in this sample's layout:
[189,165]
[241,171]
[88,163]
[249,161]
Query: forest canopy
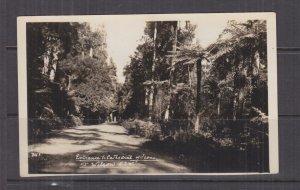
[175,91]
[71,77]
[218,93]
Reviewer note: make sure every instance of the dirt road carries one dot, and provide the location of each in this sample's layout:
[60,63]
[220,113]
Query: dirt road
[97,149]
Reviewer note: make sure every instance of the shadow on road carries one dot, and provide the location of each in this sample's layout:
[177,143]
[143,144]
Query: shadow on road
[57,153]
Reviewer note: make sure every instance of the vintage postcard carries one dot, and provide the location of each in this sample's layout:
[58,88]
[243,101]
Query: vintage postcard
[148,94]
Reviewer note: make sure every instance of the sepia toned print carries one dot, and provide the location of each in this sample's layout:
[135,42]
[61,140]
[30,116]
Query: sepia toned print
[148,94]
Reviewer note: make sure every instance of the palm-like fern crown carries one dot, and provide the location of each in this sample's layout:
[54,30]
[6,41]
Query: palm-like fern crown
[239,36]
[188,54]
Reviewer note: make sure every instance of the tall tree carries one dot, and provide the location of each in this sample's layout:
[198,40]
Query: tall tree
[48,43]
[239,65]
[68,72]
[142,63]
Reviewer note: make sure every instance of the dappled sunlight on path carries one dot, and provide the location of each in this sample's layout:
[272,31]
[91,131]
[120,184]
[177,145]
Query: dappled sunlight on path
[58,153]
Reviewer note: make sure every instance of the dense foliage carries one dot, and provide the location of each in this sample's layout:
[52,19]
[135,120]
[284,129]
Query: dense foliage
[210,100]
[218,93]
[149,70]
[70,77]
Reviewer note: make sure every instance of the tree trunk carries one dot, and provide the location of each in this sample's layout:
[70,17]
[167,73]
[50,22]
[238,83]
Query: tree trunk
[69,83]
[234,107]
[151,93]
[254,66]
[219,104]
[198,94]
[235,87]
[91,52]
[174,48]
[257,60]
[46,64]
[189,72]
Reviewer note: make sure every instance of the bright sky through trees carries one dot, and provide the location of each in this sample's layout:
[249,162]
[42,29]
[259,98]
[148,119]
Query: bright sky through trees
[124,36]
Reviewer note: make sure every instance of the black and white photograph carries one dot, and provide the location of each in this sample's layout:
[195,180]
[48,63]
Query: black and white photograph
[148,94]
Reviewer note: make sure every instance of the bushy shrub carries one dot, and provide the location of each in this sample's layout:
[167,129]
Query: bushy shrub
[73,121]
[39,128]
[145,129]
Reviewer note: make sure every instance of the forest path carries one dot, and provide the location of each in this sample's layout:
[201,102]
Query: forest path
[65,151]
